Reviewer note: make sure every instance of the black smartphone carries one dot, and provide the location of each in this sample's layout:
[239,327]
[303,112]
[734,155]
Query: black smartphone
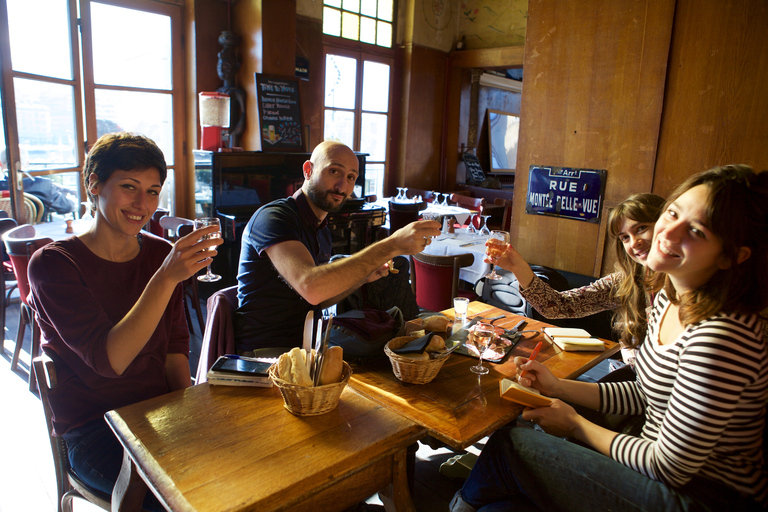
[226,365]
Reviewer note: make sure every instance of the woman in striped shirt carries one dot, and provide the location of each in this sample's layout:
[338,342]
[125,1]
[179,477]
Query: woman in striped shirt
[702,380]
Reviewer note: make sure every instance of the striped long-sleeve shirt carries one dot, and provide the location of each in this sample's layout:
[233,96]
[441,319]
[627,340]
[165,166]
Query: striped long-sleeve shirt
[704,400]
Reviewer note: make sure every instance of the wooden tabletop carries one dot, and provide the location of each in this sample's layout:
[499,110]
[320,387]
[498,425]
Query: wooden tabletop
[222,448]
[458,407]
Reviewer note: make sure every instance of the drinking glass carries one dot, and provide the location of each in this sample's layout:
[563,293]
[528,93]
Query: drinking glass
[445,199]
[460,306]
[484,230]
[425,215]
[483,336]
[495,247]
[399,196]
[209,277]
[405,194]
[471,225]
[435,197]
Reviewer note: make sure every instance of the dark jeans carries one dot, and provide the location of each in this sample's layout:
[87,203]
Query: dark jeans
[523,469]
[96,456]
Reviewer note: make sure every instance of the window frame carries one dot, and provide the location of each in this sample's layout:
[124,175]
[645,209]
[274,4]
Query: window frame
[84,106]
[362,52]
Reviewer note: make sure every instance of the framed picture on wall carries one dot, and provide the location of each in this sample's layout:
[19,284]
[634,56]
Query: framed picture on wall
[503,134]
[279,114]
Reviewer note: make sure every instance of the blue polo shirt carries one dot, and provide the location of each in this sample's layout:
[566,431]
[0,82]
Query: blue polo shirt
[270,312]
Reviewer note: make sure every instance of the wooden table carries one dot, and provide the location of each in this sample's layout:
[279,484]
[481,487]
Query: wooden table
[222,448]
[56,230]
[458,407]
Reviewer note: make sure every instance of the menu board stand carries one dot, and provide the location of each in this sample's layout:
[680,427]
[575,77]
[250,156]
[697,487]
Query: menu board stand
[279,115]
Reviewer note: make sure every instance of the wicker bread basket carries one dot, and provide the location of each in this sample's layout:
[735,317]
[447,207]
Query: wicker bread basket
[310,401]
[409,370]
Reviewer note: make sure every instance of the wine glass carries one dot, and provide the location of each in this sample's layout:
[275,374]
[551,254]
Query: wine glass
[482,337]
[405,194]
[495,247]
[471,225]
[484,230]
[209,277]
[399,196]
[445,199]
[435,197]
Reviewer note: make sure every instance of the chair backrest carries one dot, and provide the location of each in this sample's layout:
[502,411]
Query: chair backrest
[219,335]
[435,279]
[153,226]
[20,243]
[506,219]
[36,208]
[68,485]
[402,214]
[426,195]
[30,208]
[171,224]
[476,204]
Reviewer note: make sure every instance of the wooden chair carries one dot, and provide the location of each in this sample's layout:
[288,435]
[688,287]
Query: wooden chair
[219,334]
[402,214]
[33,208]
[153,226]
[219,337]
[9,278]
[21,243]
[506,215]
[68,485]
[191,289]
[426,195]
[435,279]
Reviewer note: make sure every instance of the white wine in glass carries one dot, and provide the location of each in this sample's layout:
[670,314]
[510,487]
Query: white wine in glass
[483,336]
[495,246]
[209,277]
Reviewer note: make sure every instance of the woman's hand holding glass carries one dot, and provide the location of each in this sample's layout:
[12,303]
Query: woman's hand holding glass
[496,245]
[207,222]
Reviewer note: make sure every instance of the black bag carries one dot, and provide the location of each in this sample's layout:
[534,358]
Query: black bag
[393,290]
[505,292]
[363,333]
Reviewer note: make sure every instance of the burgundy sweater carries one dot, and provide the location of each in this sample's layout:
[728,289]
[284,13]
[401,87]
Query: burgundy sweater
[79,297]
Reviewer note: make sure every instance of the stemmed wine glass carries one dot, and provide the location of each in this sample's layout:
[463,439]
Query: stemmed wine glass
[482,336]
[445,199]
[435,197]
[495,247]
[484,230]
[471,224]
[400,194]
[209,277]
[405,194]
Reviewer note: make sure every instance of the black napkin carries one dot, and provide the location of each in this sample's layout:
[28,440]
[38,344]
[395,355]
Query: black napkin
[415,346]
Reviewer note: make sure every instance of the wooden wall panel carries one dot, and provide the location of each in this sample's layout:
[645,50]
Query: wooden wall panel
[309,44]
[716,104]
[594,83]
[425,118]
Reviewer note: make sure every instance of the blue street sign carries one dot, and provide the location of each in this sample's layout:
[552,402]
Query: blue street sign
[566,192]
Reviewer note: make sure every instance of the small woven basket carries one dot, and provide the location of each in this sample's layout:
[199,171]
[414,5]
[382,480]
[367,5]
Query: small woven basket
[312,400]
[409,370]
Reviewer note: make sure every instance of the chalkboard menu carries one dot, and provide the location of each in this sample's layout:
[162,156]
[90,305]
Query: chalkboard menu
[565,192]
[279,114]
[474,171]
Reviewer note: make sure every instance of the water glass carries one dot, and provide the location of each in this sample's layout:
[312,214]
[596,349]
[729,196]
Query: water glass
[460,306]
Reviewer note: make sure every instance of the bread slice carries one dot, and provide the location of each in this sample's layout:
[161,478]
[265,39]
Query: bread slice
[332,366]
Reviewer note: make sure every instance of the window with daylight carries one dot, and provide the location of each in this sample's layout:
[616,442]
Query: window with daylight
[367,21]
[357,108]
[76,70]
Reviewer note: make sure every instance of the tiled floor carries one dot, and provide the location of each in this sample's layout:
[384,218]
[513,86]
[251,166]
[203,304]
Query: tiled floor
[27,482]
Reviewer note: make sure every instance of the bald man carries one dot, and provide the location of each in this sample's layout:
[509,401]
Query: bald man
[284,270]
